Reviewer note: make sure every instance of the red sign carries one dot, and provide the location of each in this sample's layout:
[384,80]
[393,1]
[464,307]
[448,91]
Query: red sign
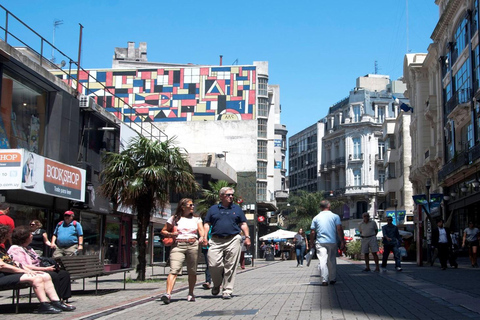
[261,218]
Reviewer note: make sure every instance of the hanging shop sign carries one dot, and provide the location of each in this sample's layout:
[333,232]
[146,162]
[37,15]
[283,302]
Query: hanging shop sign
[24,170]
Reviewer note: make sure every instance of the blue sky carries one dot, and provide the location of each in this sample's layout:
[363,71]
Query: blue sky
[316,49]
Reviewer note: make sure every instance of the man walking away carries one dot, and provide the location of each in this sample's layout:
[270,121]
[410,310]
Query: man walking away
[326,227]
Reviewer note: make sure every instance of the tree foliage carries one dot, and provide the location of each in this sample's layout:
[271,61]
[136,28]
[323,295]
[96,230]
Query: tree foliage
[302,207]
[141,177]
[210,196]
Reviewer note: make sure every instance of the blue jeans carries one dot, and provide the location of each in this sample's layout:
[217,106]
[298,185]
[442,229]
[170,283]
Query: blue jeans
[387,248]
[300,252]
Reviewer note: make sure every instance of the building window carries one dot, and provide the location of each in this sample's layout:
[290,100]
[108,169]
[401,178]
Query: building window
[462,82]
[381,114]
[261,170]
[262,87]
[261,191]
[357,177]
[391,170]
[381,150]
[356,114]
[262,150]
[23,113]
[357,149]
[262,128]
[381,180]
[262,107]
[461,36]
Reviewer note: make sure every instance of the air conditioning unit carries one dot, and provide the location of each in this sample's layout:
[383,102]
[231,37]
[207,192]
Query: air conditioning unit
[88,103]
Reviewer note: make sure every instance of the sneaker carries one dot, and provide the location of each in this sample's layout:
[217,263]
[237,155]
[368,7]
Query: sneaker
[398,269]
[226,296]
[333,281]
[215,291]
[165,298]
[191,298]
[301,266]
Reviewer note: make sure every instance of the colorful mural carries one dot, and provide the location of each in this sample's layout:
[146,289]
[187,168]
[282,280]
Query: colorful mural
[175,94]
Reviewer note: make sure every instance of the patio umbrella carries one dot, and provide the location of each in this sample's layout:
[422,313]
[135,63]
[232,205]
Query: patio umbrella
[279,234]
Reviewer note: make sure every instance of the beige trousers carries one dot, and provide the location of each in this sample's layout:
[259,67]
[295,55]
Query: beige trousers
[223,258]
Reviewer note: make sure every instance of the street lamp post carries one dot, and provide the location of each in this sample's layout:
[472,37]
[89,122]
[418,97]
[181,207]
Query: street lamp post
[395,203]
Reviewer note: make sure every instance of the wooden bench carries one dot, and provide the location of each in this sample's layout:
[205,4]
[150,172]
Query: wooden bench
[16,293]
[90,266]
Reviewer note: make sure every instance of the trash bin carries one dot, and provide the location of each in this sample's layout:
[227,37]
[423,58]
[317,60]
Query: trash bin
[269,257]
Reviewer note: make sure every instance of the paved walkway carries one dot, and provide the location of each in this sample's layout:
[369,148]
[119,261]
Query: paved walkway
[280,290]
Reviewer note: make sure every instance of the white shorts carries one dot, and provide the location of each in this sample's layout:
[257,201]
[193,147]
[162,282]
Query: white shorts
[369,243]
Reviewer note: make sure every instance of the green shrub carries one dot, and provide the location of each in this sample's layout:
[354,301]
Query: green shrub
[354,249]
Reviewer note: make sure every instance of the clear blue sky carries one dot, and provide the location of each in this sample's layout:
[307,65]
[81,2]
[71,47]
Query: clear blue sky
[316,49]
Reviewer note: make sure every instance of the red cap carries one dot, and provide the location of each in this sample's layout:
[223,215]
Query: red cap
[69,213]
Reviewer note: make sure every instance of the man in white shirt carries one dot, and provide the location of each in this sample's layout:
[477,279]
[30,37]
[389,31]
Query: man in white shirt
[368,232]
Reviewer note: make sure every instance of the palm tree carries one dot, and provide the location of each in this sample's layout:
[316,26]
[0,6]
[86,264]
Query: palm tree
[303,207]
[210,196]
[141,177]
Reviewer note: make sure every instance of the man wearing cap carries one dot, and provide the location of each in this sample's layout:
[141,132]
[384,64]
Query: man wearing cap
[226,220]
[67,238]
[6,220]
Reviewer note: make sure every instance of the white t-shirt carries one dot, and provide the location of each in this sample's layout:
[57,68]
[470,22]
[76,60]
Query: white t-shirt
[187,228]
[471,234]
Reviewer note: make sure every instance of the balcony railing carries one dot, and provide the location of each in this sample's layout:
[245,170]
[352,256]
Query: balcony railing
[340,161]
[460,97]
[453,165]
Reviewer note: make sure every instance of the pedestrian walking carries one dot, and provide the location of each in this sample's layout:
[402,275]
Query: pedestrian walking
[301,246]
[470,240]
[368,234]
[391,242]
[185,248]
[67,239]
[326,228]
[226,220]
[442,240]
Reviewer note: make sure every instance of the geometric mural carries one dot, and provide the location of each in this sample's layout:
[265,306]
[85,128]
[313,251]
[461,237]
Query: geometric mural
[174,93]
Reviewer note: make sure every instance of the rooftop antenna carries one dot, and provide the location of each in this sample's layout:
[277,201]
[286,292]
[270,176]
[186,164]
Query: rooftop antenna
[56,23]
[376,67]
[235,62]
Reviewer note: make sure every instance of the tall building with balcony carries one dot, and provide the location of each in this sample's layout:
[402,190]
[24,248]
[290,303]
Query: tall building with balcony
[353,168]
[443,86]
[344,153]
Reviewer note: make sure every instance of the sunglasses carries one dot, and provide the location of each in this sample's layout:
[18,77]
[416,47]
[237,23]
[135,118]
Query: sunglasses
[229,195]
[190,205]
[32,224]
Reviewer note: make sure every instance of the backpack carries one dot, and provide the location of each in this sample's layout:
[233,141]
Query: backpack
[61,222]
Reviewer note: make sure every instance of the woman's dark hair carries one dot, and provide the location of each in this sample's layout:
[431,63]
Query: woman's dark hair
[4,230]
[20,235]
[183,202]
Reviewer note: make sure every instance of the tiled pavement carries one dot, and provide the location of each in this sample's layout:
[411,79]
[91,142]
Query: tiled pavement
[280,290]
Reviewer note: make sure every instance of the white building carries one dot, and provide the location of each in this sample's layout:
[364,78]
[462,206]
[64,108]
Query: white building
[348,153]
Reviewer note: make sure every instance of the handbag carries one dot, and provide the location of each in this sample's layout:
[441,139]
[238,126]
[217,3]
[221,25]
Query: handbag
[168,242]
[48,262]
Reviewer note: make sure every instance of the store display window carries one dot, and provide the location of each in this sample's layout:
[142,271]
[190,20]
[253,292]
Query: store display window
[22,114]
